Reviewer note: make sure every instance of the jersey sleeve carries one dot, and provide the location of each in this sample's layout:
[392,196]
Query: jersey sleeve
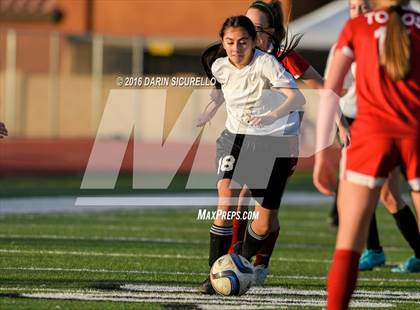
[345,41]
[277,74]
[217,70]
[295,64]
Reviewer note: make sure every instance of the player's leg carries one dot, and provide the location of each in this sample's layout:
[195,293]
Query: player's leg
[262,231]
[262,258]
[415,196]
[240,223]
[404,218]
[373,256]
[283,169]
[221,230]
[258,231]
[333,220]
[266,208]
[262,234]
[410,153]
[352,232]
[390,196]
[412,264]
[391,192]
[365,168]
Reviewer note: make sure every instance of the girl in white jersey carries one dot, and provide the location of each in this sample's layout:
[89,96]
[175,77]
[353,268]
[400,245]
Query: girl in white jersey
[260,138]
[273,38]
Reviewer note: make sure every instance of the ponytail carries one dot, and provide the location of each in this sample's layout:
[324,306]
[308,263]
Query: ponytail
[395,57]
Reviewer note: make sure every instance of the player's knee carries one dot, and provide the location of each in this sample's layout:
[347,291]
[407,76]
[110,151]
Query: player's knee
[261,228]
[225,191]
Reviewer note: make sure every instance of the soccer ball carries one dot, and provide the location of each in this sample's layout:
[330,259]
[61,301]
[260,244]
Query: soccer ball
[231,275]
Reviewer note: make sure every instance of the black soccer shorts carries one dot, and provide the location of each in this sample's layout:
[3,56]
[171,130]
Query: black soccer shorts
[262,163]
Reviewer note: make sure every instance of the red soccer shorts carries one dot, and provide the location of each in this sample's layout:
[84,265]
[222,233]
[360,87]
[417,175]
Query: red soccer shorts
[369,160]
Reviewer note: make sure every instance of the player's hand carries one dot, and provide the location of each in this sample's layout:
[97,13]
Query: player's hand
[3,130]
[202,119]
[325,174]
[263,120]
[345,135]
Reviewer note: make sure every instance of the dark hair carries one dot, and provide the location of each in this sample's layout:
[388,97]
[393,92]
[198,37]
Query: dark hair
[238,21]
[209,56]
[216,50]
[274,14]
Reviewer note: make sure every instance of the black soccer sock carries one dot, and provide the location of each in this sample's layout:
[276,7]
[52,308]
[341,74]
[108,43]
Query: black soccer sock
[373,236]
[264,254]
[334,210]
[220,239]
[407,224]
[252,243]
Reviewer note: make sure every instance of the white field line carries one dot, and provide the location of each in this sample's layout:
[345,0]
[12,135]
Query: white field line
[106,227]
[200,300]
[133,289]
[176,273]
[169,240]
[198,230]
[165,229]
[99,238]
[254,299]
[276,290]
[204,229]
[139,255]
[156,297]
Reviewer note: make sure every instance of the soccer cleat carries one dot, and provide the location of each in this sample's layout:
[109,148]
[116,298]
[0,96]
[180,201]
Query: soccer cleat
[206,287]
[260,274]
[371,259]
[411,265]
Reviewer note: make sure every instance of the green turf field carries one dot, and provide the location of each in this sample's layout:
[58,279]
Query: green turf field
[69,185]
[154,260]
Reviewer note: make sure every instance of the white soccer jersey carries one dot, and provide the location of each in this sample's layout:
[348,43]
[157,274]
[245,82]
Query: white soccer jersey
[247,93]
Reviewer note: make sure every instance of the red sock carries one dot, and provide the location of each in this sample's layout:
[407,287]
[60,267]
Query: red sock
[264,254]
[342,279]
[238,232]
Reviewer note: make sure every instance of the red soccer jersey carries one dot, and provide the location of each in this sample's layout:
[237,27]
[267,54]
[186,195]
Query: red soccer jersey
[383,106]
[295,64]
